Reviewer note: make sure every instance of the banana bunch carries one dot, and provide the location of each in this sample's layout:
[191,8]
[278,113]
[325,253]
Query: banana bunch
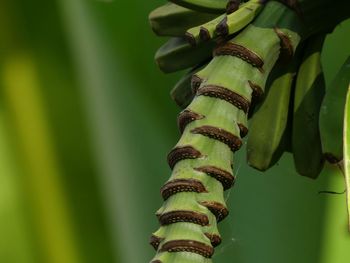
[245,59]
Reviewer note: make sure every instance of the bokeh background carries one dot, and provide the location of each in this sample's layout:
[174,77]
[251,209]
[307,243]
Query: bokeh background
[86,122]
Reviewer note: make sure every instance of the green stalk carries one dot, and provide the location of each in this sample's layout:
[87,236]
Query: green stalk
[346,149]
[212,127]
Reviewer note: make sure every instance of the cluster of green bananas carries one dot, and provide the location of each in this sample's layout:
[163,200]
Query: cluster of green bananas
[257,59]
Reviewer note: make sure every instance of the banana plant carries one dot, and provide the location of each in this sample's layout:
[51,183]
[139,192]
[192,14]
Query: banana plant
[247,59]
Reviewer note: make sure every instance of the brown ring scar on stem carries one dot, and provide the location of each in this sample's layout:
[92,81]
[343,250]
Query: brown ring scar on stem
[155,241]
[243,130]
[188,246]
[231,140]
[183,216]
[196,81]
[257,91]
[236,50]
[215,240]
[286,47]
[181,153]
[219,210]
[225,94]
[187,116]
[182,185]
[224,177]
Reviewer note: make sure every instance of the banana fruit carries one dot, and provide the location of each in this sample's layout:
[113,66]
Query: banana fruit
[178,54]
[173,20]
[268,128]
[332,115]
[309,92]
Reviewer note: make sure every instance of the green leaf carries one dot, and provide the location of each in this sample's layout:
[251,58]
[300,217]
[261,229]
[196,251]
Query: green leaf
[346,150]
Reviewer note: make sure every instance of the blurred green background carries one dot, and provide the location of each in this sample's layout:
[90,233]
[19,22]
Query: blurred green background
[86,122]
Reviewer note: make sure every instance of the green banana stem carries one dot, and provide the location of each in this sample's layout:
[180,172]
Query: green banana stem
[212,127]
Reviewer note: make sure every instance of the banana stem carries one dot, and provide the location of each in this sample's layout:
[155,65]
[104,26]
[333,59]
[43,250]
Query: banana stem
[212,128]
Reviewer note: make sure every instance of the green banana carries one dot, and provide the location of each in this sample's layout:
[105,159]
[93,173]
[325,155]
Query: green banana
[210,6]
[269,134]
[173,20]
[177,54]
[182,93]
[309,92]
[225,24]
[332,115]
